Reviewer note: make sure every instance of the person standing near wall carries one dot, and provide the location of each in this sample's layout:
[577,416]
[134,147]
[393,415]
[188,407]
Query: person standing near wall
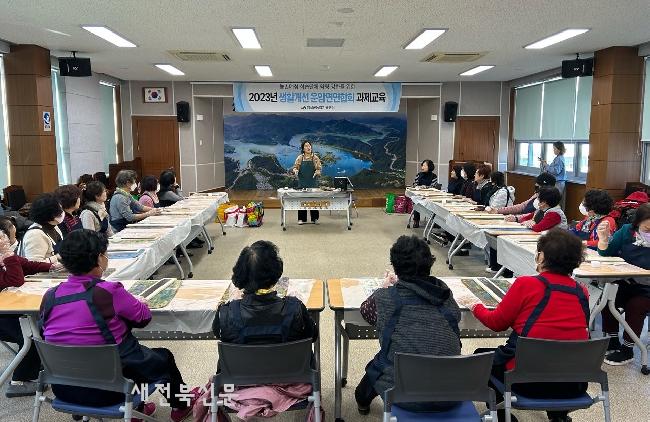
[307,168]
[557,168]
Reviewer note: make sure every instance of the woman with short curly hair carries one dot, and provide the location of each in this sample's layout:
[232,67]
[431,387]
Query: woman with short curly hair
[595,207]
[41,241]
[69,196]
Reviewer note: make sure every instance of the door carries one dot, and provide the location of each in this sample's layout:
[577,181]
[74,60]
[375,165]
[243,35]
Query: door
[476,139]
[155,141]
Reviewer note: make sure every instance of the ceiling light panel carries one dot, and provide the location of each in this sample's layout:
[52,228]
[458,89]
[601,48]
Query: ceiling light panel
[247,38]
[554,39]
[385,71]
[170,69]
[264,71]
[110,36]
[425,38]
[477,69]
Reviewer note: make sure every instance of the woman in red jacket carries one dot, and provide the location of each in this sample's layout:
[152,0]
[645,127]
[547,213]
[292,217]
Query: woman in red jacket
[596,208]
[13,269]
[564,315]
[548,214]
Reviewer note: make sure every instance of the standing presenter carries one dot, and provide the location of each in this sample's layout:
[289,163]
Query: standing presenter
[307,167]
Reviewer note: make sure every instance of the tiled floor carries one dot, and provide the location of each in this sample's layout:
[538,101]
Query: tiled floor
[330,251]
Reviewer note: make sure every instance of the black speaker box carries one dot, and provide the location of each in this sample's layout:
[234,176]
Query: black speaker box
[183,111]
[74,66]
[451,111]
[577,67]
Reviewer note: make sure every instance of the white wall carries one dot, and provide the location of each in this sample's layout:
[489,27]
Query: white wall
[474,99]
[85,124]
[202,158]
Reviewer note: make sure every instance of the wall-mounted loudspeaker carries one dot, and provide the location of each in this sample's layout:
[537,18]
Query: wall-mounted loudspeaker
[183,111]
[451,111]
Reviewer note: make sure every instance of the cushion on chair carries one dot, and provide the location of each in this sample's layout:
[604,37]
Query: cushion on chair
[463,412]
[100,412]
[528,403]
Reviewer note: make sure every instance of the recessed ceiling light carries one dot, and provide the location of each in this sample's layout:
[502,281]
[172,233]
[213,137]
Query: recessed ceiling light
[554,39]
[108,35]
[264,71]
[247,37]
[477,69]
[385,71]
[425,38]
[345,10]
[170,69]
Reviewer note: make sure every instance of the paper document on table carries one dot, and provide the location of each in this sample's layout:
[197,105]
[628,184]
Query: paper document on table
[299,288]
[356,290]
[157,293]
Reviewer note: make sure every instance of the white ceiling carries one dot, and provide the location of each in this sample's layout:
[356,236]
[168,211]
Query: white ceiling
[374,35]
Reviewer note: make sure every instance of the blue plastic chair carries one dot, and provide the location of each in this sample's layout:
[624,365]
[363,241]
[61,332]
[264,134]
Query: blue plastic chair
[90,367]
[422,378]
[556,361]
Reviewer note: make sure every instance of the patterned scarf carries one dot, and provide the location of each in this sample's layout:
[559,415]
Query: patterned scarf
[589,222]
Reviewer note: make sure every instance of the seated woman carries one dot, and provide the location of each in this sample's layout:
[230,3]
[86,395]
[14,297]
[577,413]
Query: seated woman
[501,194]
[149,186]
[169,192]
[469,186]
[596,208]
[482,184]
[632,243]
[13,270]
[69,196]
[456,180]
[417,314]
[93,212]
[41,240]
[427,178]
[261,316]
[101,177]
[123,208]
[85,310]
[548,214]
[564,315]
[543,180]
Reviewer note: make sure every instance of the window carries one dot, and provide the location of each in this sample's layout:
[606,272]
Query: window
[61,124]
[554,110]
[4,131]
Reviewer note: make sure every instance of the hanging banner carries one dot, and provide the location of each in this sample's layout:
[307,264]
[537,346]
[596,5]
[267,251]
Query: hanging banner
[330,97]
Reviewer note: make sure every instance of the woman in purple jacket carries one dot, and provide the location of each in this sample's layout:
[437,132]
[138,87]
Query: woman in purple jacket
[86,310]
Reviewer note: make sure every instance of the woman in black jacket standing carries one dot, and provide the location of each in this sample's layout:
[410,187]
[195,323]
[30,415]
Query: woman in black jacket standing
[426,177]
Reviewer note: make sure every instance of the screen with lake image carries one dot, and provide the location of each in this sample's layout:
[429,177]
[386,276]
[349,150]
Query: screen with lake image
[369,148]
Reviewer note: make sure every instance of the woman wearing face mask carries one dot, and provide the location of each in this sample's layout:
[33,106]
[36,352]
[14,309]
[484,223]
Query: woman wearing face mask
[548,214]
[124,209]
[550,305]
[149,186]
[41,241]
[469,187]
[543,180]
[169,192]
[307,168]
[69,196]
[13,269]
[482,187]
[85,310]
[595,207]
[632,243]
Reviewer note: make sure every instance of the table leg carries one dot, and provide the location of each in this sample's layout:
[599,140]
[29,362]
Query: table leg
[609,289]
[207,239]
[25,327]
[462,243]
[617,315]
[500,272]
[189,261]
[338,319]
[178,265]
[452,246]
[344,358]
[223,232]
[349,222]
